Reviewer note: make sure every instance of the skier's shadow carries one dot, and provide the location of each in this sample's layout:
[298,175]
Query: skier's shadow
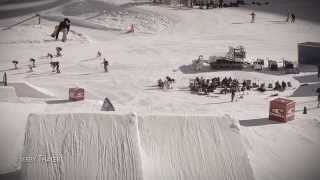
[61,101]
[278,22]
[240,23]
[257,122]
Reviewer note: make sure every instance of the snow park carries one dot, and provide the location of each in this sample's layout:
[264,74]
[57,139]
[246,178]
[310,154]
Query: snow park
[159,89]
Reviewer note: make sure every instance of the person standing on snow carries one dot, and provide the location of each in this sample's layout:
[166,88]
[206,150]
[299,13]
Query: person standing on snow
[64,26]
[233,94]
[288,16]
[105,65]
[220,3]
[318,72]
[293,18]
[318,91]
[253,16]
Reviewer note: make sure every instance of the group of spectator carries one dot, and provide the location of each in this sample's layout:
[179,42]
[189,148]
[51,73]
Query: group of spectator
[166,83]
[226,85]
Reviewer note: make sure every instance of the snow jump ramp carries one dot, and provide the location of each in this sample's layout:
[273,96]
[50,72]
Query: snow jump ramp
[128,146]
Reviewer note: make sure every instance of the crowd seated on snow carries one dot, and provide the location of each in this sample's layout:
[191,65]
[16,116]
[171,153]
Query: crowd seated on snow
[226,85]
[166,83]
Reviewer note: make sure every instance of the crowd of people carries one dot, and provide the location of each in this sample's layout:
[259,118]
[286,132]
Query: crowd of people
[206,86]
[166,83]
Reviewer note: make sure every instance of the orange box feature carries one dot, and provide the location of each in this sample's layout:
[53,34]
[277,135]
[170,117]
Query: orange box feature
[76,94]
[282,110]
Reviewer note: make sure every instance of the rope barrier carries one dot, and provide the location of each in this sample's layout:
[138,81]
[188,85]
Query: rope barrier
[35,16]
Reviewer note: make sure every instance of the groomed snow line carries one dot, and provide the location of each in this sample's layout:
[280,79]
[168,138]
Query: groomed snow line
[128,146]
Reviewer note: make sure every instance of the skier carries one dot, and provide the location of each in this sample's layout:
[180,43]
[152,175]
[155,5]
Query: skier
[64,26]
[253,16]
[293,18]
[105,65]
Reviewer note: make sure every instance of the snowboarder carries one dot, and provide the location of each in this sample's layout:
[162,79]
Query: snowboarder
[293,18]
[64,26]
[253,16]
[105,65]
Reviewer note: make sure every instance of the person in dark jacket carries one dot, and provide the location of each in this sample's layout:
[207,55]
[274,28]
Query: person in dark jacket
[253,17]
[293,18]
[64,26]
[105,65]
[318,71]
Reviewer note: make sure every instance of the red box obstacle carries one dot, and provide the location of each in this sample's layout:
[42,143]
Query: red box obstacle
[76,94]
[282,110]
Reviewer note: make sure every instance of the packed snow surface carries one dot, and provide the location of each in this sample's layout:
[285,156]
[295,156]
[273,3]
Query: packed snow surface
[165,42]
[113,146]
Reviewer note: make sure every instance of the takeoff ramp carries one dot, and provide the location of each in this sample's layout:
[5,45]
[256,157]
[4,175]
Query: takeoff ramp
[124,147]
[81,147]
[192,148]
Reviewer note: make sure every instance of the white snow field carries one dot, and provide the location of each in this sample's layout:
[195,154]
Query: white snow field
[165,41]
[110,146]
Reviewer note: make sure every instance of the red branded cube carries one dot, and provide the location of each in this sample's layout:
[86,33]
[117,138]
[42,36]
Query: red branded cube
[282,110]
[76,94]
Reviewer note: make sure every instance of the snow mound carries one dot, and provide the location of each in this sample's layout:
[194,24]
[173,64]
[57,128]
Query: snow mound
[7,92]
[192,147]
[81,146]
[12,129]
[114,146]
